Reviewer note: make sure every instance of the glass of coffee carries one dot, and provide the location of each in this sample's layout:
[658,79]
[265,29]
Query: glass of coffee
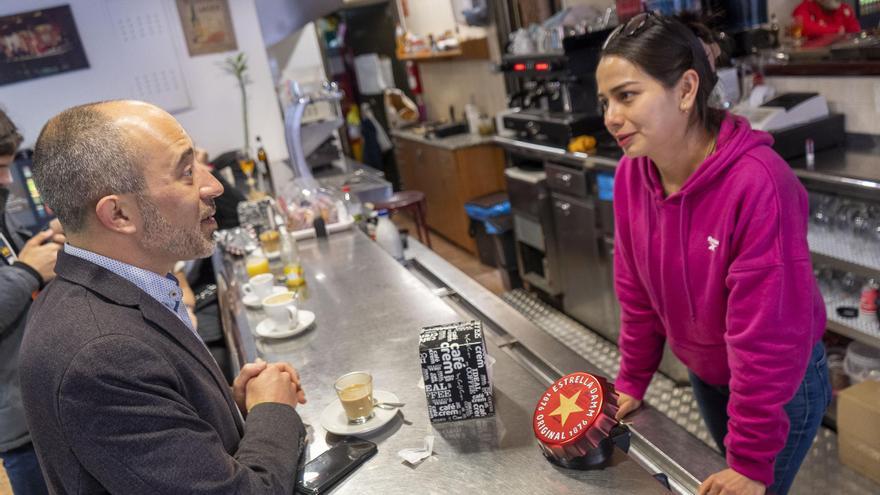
[355,391]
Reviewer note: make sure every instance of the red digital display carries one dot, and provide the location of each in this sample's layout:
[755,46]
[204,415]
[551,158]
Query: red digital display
[519,67]
[542,66]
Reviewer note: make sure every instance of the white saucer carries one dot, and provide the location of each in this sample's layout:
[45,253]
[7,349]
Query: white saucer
[333,417]
[252,301]
[266,328]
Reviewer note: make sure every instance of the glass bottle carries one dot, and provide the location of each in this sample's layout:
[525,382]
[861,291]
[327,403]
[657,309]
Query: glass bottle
[265,169]
[774,31]
[293,272]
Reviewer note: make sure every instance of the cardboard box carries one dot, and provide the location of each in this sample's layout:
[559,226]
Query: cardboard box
[858,428]
[456,372]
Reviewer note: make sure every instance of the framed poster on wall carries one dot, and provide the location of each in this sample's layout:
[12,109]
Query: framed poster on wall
[207,26]
[39,43]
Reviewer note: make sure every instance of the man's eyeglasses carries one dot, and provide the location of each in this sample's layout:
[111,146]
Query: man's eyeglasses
[632,27]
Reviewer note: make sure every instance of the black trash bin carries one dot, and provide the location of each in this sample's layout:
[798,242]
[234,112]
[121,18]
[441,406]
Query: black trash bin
[492,228]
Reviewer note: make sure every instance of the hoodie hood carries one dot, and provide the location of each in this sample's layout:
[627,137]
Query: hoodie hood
[735,139]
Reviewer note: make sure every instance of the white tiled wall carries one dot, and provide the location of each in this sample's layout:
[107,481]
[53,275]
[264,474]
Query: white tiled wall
[454,82]
[857,97]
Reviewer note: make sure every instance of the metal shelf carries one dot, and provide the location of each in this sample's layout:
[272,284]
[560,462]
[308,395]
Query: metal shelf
[844,252]
[864,328]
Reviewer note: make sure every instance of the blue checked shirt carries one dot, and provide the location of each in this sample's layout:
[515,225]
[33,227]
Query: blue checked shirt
[165,289]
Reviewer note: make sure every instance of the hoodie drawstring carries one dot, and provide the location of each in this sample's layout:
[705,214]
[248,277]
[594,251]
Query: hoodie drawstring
[683,226]
[652,210]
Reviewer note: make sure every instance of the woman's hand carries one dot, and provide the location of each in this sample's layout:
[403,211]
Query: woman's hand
[625,405]
[729,482]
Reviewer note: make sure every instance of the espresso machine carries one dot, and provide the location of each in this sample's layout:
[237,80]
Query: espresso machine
[557,92]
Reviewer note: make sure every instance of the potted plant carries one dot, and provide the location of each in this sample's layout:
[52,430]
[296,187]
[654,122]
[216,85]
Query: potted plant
[237,66]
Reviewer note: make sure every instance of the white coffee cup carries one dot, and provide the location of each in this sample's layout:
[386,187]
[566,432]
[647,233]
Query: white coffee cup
[259,285]
[281,308]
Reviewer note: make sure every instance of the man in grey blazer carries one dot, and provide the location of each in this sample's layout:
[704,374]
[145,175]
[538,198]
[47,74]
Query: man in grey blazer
[120,394]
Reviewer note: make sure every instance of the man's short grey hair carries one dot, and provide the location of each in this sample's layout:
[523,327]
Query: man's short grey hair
[80,157]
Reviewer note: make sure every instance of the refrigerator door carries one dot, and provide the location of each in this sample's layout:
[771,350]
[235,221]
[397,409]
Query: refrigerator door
[585,282]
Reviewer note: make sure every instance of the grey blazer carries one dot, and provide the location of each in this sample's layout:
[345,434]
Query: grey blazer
[121,397]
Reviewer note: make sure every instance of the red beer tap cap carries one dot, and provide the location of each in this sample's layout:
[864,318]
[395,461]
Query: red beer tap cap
[574,418]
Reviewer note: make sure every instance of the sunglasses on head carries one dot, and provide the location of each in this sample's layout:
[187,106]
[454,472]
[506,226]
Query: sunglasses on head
[632,27]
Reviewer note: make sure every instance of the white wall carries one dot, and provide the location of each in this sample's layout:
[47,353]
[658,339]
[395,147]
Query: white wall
[298,58]
[428,16]
[214,120]
[599,4]
[453,82]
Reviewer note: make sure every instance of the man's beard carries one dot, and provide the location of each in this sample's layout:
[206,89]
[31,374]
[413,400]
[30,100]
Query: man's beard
[181,243]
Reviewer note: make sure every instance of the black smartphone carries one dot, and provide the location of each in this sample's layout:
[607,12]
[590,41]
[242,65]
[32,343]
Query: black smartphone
[322,472]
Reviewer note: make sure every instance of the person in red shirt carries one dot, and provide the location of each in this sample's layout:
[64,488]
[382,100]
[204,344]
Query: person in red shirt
[821,17]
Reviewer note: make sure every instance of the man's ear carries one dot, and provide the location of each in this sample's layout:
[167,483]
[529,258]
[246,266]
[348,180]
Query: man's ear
[117,213]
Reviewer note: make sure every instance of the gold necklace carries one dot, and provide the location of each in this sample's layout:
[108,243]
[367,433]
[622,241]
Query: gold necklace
[711,148]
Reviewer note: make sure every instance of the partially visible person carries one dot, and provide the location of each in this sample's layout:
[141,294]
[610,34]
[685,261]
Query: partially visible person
[822,17]
[121,394]
[27,262]
[227,203]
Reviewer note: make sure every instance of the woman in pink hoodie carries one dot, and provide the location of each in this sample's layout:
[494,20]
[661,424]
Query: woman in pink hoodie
[711,257]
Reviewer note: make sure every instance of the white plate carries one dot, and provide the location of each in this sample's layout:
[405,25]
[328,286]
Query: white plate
[252,301]
[266,328]
[333,417]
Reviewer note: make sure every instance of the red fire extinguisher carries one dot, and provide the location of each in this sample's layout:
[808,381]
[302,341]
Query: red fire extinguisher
[415,85]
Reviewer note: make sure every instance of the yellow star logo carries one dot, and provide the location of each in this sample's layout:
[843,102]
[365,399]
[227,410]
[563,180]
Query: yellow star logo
[567,406]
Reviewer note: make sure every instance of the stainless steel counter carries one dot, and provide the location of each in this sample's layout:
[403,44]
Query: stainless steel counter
[369,311]
[450,142]
[853,167]
[588,161]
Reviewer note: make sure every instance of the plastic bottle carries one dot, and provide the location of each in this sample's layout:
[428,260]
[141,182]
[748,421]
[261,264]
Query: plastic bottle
[388,237]
[352,204]
[869,298]
[472,115]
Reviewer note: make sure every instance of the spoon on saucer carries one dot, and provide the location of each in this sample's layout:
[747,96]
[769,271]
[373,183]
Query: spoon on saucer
[387,405]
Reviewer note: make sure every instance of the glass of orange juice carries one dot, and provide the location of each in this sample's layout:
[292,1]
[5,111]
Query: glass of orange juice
[257,263]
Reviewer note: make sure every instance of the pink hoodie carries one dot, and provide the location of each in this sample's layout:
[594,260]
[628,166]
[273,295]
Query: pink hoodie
[721,271]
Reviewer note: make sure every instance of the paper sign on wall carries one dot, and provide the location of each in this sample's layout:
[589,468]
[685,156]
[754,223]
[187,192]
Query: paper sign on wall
[149,60]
